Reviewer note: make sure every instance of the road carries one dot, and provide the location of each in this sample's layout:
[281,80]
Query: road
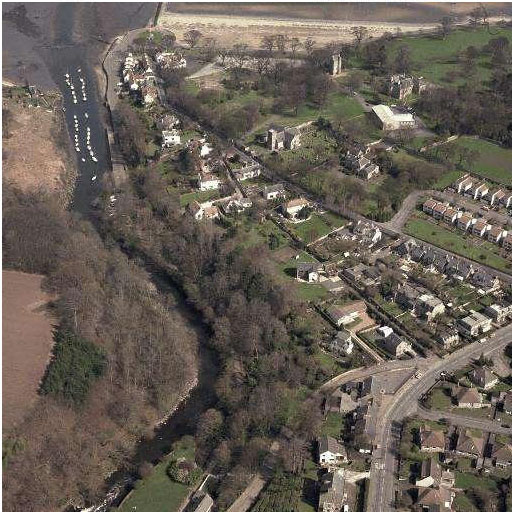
[404,403]
[464,421]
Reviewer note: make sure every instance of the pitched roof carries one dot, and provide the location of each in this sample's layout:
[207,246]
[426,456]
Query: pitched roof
[502,452]
[469,443]
[431,438]
[468,396]
[329,444]
[440,498]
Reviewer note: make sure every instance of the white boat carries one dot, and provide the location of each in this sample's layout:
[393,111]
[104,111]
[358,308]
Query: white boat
[94,159]
[74,116]
[72,87]
[86,116]
[89,147]
[93,178]
[74,101]
[83,159]
[77,149]
[67,75]
[79,70]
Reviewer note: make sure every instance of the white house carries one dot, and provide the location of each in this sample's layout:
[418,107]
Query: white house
[170,138]
[273,192]
[293,207]
[330,452]
[206,149]
[208,181]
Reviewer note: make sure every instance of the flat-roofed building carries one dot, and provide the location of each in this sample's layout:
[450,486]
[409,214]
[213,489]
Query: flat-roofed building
[392,118]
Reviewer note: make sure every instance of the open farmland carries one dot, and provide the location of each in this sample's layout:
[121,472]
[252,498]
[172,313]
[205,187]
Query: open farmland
[433,57]
[27,342]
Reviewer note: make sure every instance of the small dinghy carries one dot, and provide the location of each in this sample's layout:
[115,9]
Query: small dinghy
[94,159]
[93,178]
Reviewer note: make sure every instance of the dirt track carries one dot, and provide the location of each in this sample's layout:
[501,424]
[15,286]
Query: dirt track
[229,30]
[27,341]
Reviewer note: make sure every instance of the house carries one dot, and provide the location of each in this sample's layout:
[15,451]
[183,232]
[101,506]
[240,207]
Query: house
[206,149]
[448,339]
[273,192]
[211,212]
[428,206]
[342,343]
[203,211]
[308,272]
[507,403]
[279,137]
[395,345]
[431,441]
[468,398]
[483,378]
[368,232]
[237,205]
[207,181]
[485,281]
[337,493]
[429,306]
[400,86]
[170,138]
[507,242]
[447,479]
[292,208]
[495,234]
[473,324]
[496,197]
[407,295]
[458,269]
[344,315]
[365,427]
[498,312]
[330,452]
[171,60]
[502,455]
[478,190]
[363,274]
[392,118]
[196,210]
[450,215]
[149,94]
[435,500]
[360,165]
[438,210]
[463,184]
[201,501]
[506,200]
[480,228]
[469,445]
[465,221]
[168,122]
[430,474]
[369,172]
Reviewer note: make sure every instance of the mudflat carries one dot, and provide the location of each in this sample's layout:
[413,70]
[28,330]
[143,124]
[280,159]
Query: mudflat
[27,342]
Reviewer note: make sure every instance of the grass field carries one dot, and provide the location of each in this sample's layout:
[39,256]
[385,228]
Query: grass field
[447,179]
[439,400]
[462,503]
[467,480]
[434,57]
[312,228]
[155,493]
[332,425]
[201,196]
[454,242]
[494,161]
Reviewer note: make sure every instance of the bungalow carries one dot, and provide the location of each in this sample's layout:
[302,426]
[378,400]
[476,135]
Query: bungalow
[498,312]
[463,184]
[506,200]
[343,315]
[170,138]
[439,210]
[495,234]
[496,197]
[308,272]
[465,221]
[273,192]
[507,242]
[429,205]
[469,445]
[468,398]
[435,500]
[450,215]
[330,452]
[480,227]
[293,207]
[430,474]
[207,181]
[502,455]
[473,324]
[483,378]
[431,441]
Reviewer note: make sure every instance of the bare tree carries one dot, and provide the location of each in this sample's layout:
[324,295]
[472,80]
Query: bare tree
[268,43]
[359,33]
[192,37]
[294,46]
[281,42]
[309,45]
[446,25]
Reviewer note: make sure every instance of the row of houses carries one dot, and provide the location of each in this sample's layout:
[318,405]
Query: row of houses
[139,78]
[452,267]
[466,222]
[476,189]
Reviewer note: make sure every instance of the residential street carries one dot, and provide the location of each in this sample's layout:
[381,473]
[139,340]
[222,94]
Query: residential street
[382,482]
[464,421]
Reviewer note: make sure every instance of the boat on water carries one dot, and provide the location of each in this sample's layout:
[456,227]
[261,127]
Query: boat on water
[77,149]
[93,178]
[94,159]
[83,159]
[86,115]
[67,75]
[79,70]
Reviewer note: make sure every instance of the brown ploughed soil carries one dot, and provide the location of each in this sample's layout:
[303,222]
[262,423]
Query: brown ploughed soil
[27,342]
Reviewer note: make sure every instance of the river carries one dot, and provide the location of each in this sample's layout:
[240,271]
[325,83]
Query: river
[50,40]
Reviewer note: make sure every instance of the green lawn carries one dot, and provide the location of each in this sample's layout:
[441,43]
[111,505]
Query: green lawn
[494,161]
[312,228]
[462,503]
[155,493]
[447,179]
[457,243]
[439,400]
[201,196]
[253,234]
[332,425]
[467,480]
[434,57]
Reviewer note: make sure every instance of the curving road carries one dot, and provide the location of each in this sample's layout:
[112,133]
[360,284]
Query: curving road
[382,480]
